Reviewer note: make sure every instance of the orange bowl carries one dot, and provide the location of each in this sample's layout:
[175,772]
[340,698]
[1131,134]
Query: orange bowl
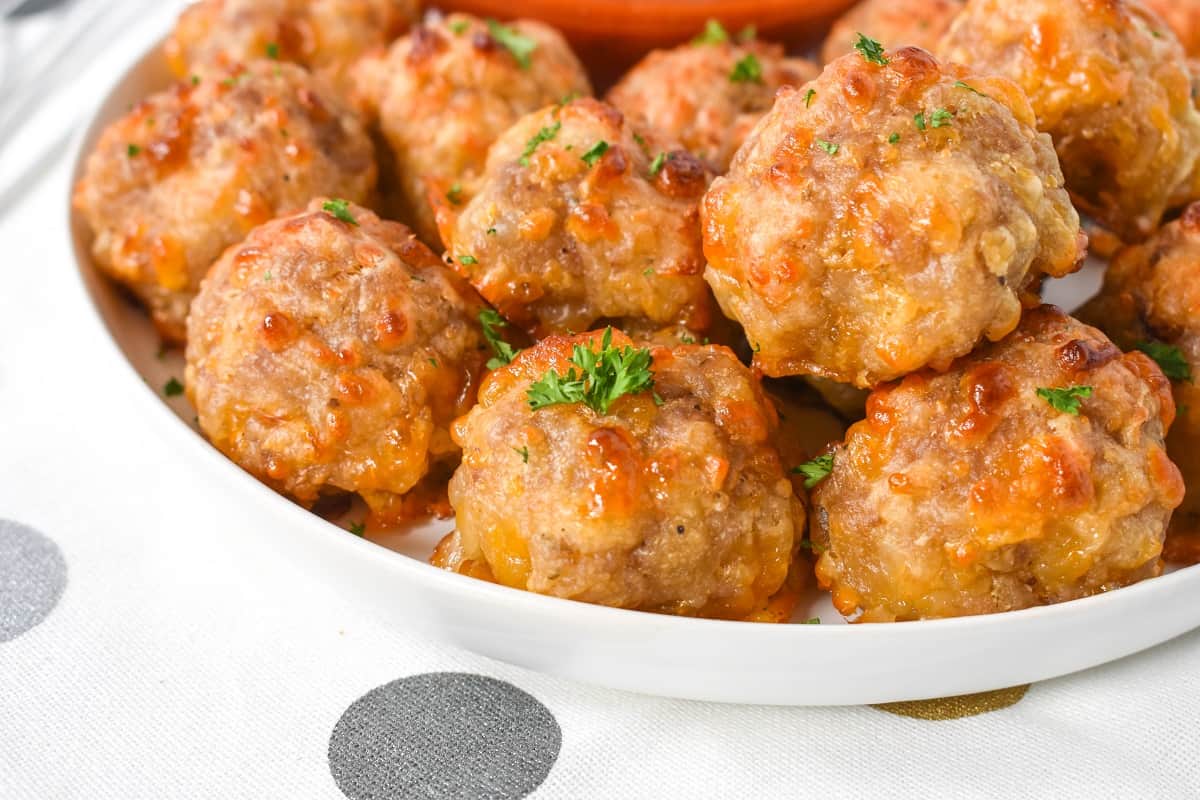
[610,35]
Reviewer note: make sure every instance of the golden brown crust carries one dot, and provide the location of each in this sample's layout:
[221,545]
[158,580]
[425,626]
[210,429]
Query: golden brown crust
[326,356]
[1183,16]
[894,23]
[1111,88]
[1152,294]
[191,170]
[886,218]
[968,493]
[446,91]
[679,508]
[326,36]
[689,95]
[574,235]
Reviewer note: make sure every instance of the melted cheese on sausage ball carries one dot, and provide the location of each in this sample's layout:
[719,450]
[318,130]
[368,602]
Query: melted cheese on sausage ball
[578,219]
[886,217]
[329,353]
[1109,85]
[673,501]
[896,23]
[190,171]
[971,492]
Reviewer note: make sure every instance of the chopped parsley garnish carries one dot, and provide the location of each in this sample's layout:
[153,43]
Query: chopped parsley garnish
[598,378]
[871,50]
[816,470]
[267,276]
[748,34]
[459,26]
[455,194]
[894,138]
[491,322]
[941,118]
[714,33]
[523,452]
[968,87]
[195,80]
[340,209]
[648,271]
[132,150]
[433,362]
[829,147]
[491,231]
[544,135]
[808,97]
[919,118]
[747,70]
[1066,400]
[468,260]
[173,388]
[273,51]
[657,164]
[813,621]
[1169,358]
[358,528]
[518,44]
[593,155]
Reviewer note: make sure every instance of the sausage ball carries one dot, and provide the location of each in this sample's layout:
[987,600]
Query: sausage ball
[191,170]
[326,36]
[447,90]
[329,353]
[707,96]
[1183,16]
[1033,472]
[886,217]
[579,219]
[917,23]
[673,500]
[1151,302]
[1111,87]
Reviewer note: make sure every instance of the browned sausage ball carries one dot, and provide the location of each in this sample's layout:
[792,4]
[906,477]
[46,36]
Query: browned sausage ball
[896,23]
[677,503]
[1151,301]
[575,220]
[327,36]
[1111,88]
[969,492]
[886,217]
[1183,16]
[190,171]
[446,91]
[330,352]
[707,96]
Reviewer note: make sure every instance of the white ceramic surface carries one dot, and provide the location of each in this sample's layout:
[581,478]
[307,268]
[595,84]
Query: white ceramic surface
[827,664]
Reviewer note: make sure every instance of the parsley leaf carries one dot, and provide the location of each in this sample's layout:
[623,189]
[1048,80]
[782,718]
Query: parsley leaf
[714,33]
[894,138]
[491,322]
[747,70]
[273,51]
[808,97]
[340,209]
[941,118]
[1066,400]
[603,376]
[748,34]
[813,621]
[544,135]
[455,194]
[358,528]
[1169,358]
[173,388]
[459,26]
[523,452]
[919,118]
[593,155]
[132,150]
[816,470]
[518,44]
[871,50]
[829,147]
[968,87]
[468,260]
[657,164]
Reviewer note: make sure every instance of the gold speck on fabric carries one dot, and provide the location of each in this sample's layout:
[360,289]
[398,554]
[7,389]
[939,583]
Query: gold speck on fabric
[968,705]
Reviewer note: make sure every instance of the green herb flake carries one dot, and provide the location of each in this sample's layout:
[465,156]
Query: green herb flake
[491,231]
[941,118]
[459,27]
[1066,400]
[829,147]
[433,362]
[714,33]
[648,271]
[594,155]
[455,194]
[544,135]
[523,452]
[919,119]
[340,209]
[195,80]
[748,34]
[894,138]
[173,388]
[816,470]
[813,621]
[657,164]
[468,260]
[597,378]
[871,50]
[1169,358]
[968,87]
[358,528]
[273,51]
[491,322]
[518,44]
[747,70]
[132,150]
[808,97]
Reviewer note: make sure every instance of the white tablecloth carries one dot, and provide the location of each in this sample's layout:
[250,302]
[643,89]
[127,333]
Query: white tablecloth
[153,645]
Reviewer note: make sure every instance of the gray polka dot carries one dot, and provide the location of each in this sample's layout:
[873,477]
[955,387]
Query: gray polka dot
[33,575]
[444,735]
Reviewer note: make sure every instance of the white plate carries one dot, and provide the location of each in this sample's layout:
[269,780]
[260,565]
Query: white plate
[827,664]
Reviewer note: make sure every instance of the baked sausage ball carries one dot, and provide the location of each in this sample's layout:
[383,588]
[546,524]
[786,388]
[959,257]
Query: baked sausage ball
[191,170]
[1183,16]
[675,500]
[707,96]
[446,91]
[1151,302]
[897,23]
[329,353]
[1109,85]
[886,217]
[1032,472]
[578,219]
[326,36]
